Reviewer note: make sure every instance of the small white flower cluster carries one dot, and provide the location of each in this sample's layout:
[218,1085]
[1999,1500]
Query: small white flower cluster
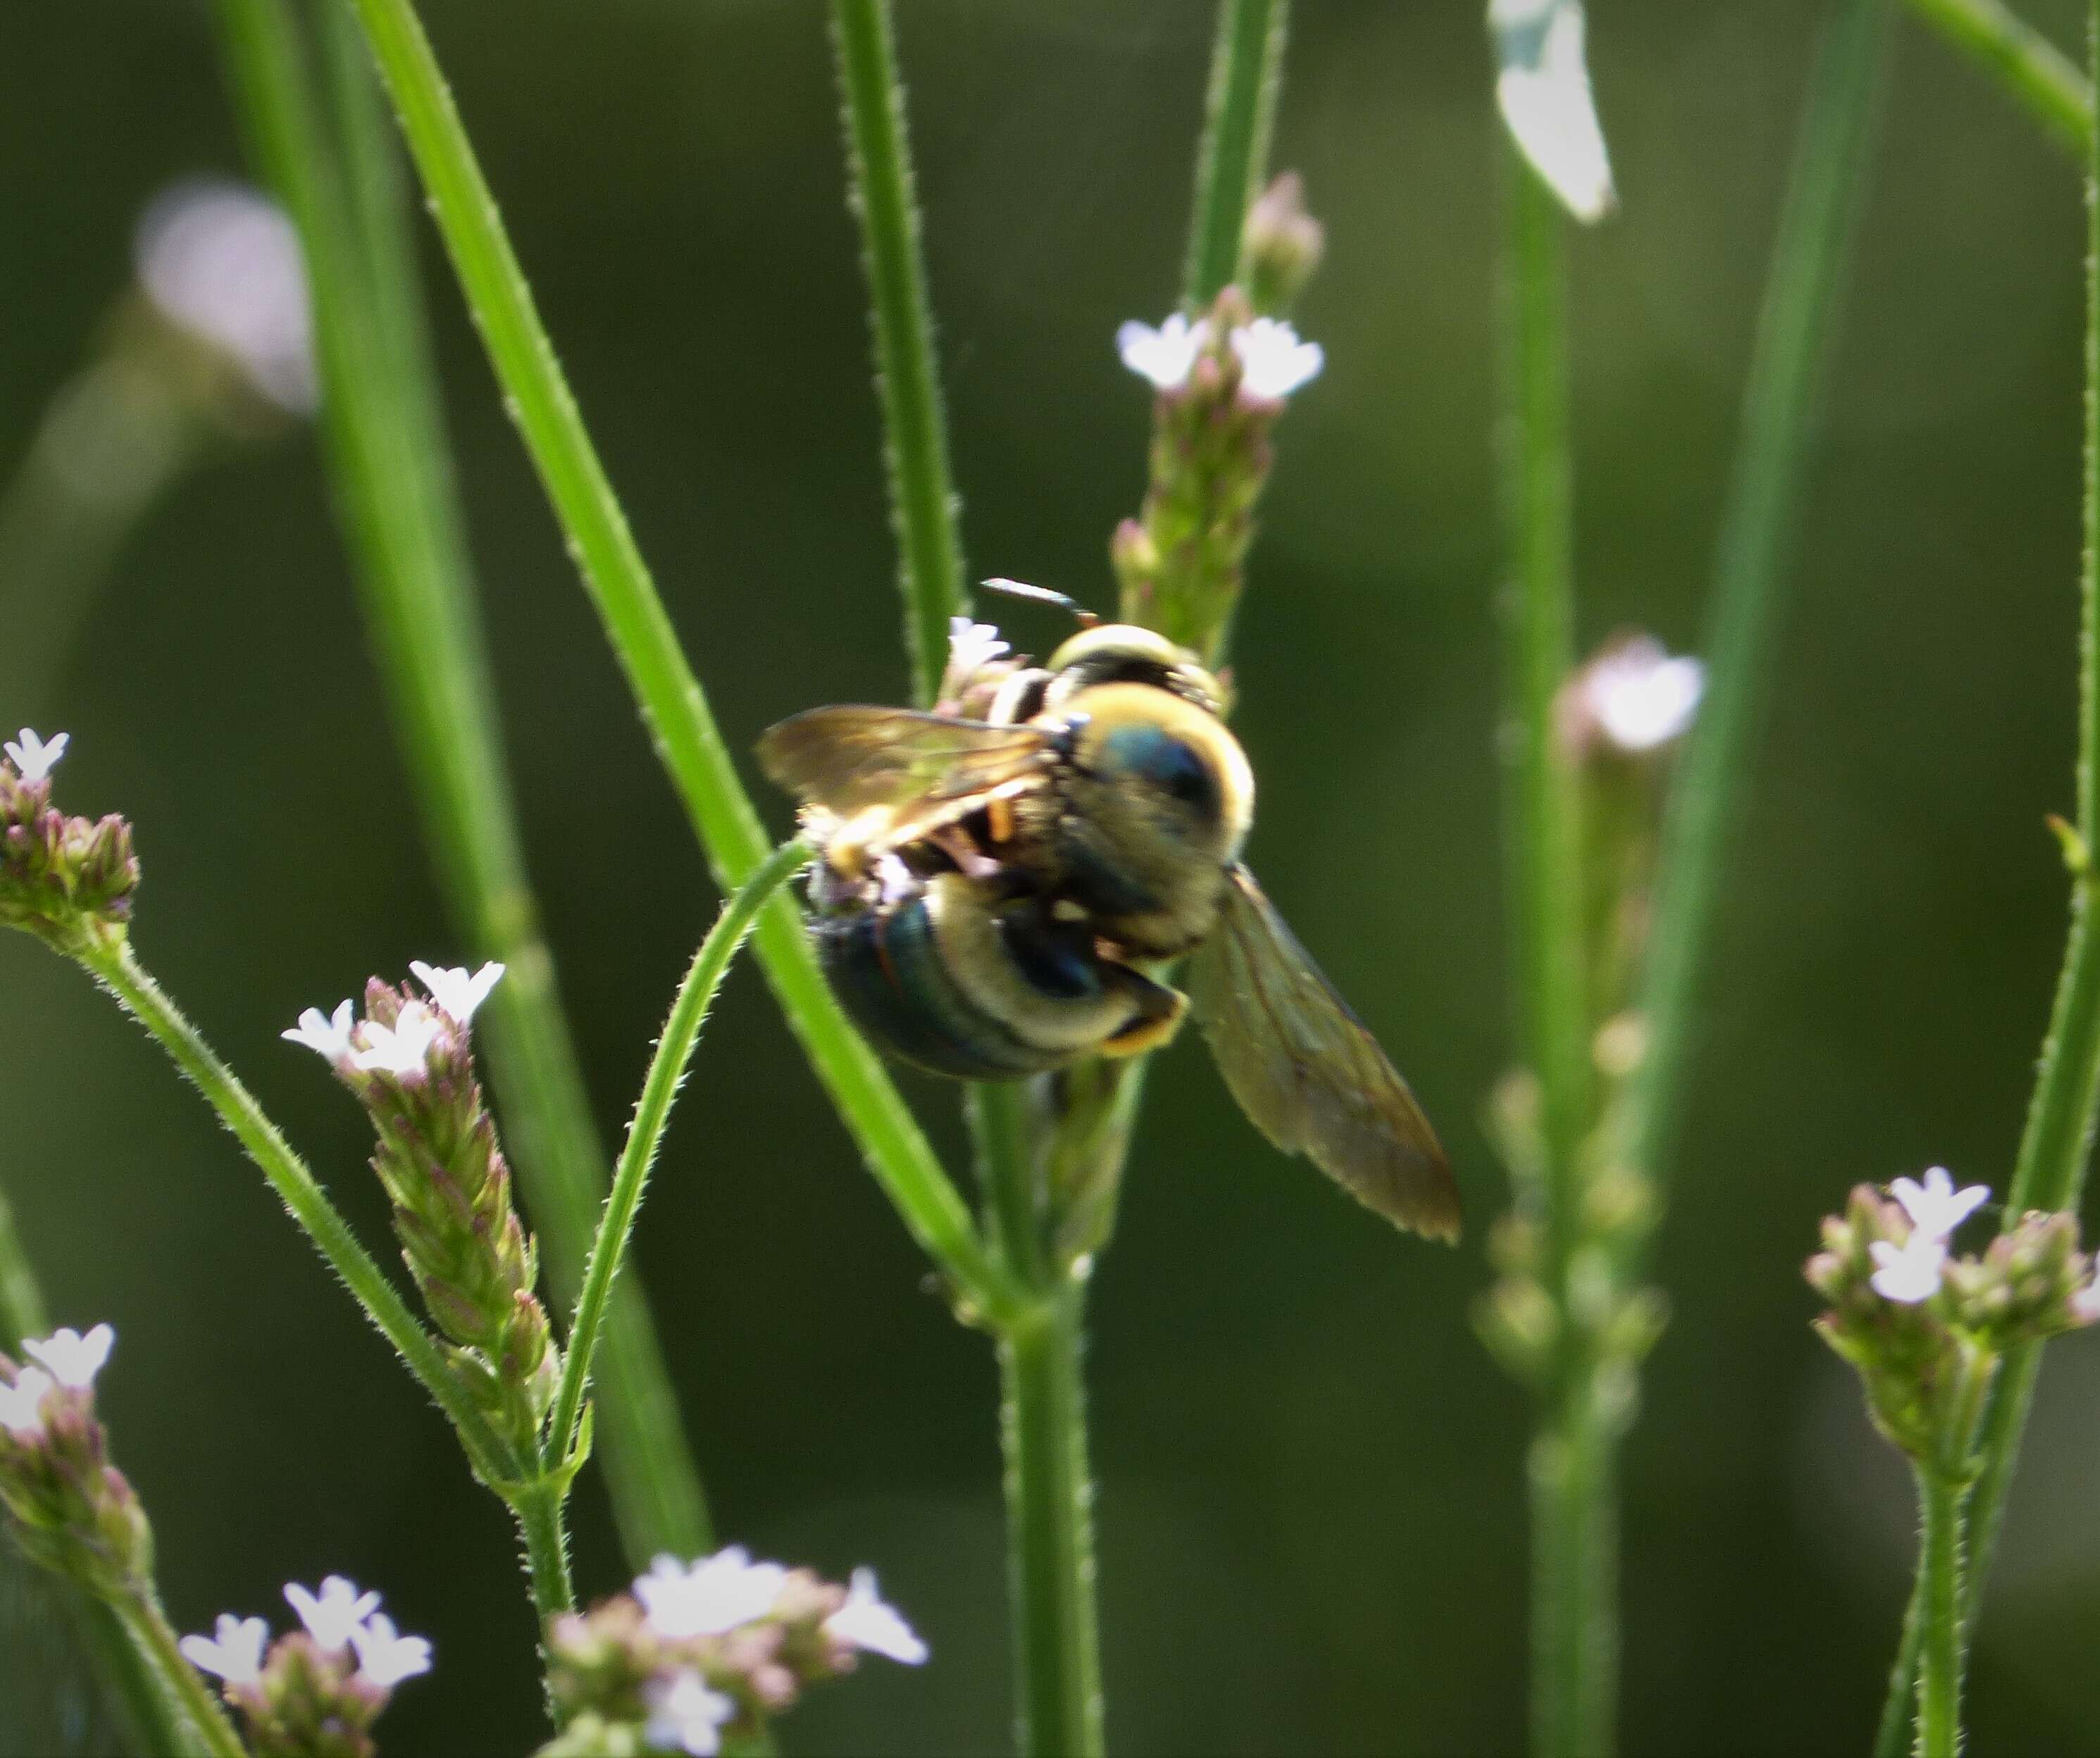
[1273,361]
[35,758]
[1911,1272]
[337,1617]
[717,1594]
[402,1048]
[64,1358]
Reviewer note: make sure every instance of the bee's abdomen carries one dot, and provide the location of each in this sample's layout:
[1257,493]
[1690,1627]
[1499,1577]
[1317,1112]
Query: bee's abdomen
[955,981]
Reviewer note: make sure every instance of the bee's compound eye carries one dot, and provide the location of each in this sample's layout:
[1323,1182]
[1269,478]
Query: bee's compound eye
[1153,755]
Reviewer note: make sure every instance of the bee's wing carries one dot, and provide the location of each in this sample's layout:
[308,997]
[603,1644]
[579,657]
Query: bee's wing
[1304,1070]
[849,759]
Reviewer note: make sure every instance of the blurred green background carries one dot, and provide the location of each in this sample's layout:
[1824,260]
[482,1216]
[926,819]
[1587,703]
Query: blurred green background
[1310,1498]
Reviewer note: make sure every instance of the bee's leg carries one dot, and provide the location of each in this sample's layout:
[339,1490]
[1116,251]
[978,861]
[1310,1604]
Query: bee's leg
[1160,1013]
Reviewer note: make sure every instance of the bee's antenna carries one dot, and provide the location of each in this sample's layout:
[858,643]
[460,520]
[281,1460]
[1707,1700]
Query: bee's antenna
[1008,589]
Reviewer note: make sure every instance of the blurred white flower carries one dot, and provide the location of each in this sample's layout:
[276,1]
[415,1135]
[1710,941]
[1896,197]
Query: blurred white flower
[35,758]
[1273,361]
[22,1404]
[1640,696]
[1910,1272]
[402,1048]
[1936,1207]
[971,646]
[685,1715]
[221,261]
[328,1034]
[2085,1303]
[1166,355]
[70,1359]
[459,993]
[1543,90]
[233,1653]
[384,1655]
[334,1616]
[709,1596]
[865,1622]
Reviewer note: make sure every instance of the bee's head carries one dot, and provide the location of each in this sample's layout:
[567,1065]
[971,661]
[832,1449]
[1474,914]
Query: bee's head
[1122,653]
[1161,784]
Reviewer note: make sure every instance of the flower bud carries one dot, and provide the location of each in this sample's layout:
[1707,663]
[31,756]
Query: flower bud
[68,881]
[1282,246]
[72,1511]
[410,1062]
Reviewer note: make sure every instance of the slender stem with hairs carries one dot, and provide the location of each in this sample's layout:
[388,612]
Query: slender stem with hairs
[1939,1595]
[387,444]
[915,427]
[2055,1148]
[2036,75]
[652,1116]
[687,738]
[152,1637]
[1574,1612]
[1246,70]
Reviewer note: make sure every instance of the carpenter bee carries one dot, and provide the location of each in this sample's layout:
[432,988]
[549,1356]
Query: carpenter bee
[988,889]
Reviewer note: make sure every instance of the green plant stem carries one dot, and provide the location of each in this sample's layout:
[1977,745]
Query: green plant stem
[1246,70]
[1574,1639]
[2035,74]
[118,970]
[923,502]
[388,445]
[1795,328]
[1050,1530]
[2050,1170]
[652,1116]
[677,712]
[538,1506]
[22,1310]
[1939,1592]
[153,1638]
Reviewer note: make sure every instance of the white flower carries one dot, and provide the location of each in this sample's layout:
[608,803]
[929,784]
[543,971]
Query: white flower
[1273,361]
[22,1404]
[70,1359]
[971,646]
[402,1048]
[233,1653]
[33,758]
[223,263]
[1543,90]
[865,1622]
[1909,1273]
[328,1034]
[685,1715]
[1166,355]
[1936,1207]
[386,1657]
[458,993]
[1641,697]
[333,1617]
[709,1596]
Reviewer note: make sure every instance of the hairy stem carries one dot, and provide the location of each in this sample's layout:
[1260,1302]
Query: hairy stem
[538,1507]
[2055,1147]
[118,969]
[153,1638]
[923,503]
[1940,1593]
[1247,71]
[392,463]
[2036,75]
[652,1116]
[1050,1530]
[687,737]
[1573,1612]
